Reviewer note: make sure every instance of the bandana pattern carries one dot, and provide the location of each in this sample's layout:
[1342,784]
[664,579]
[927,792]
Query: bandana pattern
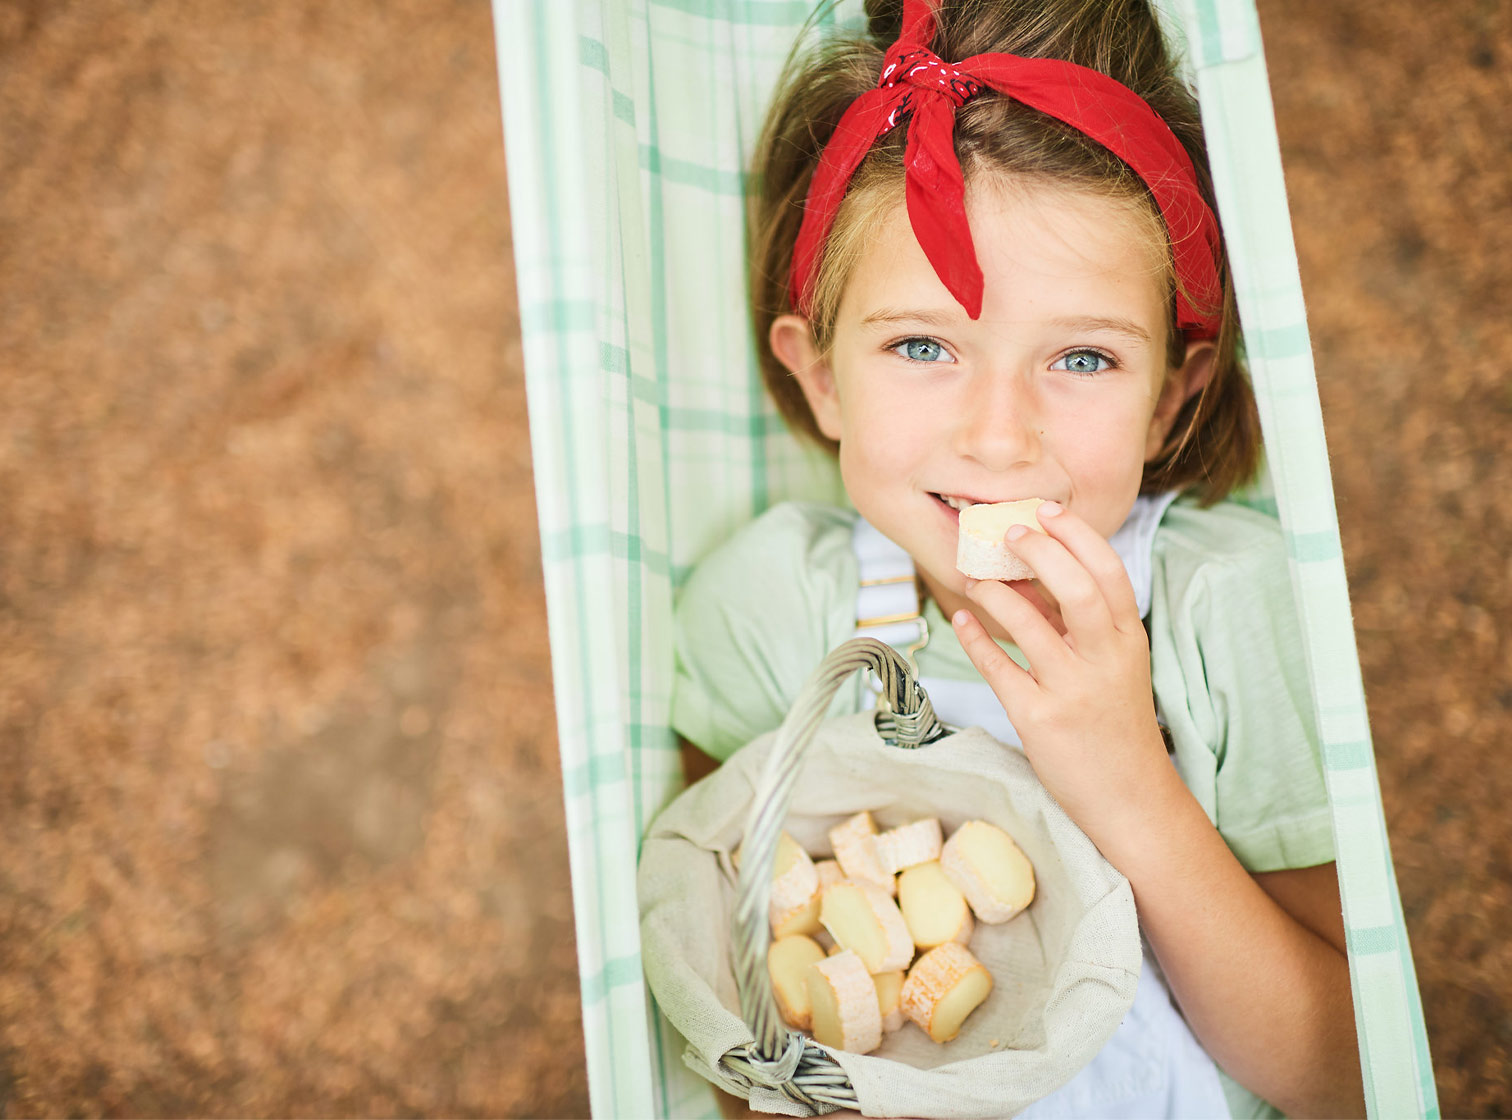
[919,87]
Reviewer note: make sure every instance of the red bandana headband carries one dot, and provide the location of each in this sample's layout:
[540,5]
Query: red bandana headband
[916,84]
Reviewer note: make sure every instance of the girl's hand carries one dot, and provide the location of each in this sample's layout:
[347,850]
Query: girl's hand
[1084,709]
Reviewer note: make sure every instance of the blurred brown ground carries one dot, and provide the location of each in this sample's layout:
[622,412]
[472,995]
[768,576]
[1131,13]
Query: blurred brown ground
[280,807]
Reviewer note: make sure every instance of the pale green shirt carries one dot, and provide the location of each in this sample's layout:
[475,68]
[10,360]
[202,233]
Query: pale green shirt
[1226,660]
[761,611]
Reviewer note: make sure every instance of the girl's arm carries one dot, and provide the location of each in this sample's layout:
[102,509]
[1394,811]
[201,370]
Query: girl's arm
[1256,963]
[1257,969]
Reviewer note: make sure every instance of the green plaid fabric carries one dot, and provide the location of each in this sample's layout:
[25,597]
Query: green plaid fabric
[628,128]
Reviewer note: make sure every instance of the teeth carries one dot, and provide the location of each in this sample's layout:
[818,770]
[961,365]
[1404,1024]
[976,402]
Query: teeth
[955,503]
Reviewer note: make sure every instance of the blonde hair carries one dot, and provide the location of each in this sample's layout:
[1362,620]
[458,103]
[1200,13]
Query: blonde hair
[1214,445]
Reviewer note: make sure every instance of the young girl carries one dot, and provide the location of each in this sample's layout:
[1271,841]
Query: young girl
[987,267]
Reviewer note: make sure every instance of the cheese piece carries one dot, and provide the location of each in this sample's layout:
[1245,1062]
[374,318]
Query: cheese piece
[934,909]
[828,871]
[788,961]
[909,844]
[861,917]
[795,883]
[843,1004]
[855,845]
[889,996]
[793,905]
[946,985]
[802,919]
[981,551]
[990,870]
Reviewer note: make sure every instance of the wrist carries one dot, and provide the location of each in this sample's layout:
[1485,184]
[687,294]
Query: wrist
[1146,825]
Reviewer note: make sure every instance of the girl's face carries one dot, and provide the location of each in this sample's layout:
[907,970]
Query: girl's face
[1060,389]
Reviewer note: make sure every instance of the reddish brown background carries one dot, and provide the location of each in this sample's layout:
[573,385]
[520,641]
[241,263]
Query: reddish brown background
[280,809]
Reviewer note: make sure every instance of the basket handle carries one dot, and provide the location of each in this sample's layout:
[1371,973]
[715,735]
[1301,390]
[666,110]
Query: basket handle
[779,1057]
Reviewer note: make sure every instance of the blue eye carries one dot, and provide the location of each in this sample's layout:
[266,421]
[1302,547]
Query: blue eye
[922,350]
[1084,362]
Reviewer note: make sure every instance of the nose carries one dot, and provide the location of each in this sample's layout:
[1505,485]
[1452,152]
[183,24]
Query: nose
[998,421]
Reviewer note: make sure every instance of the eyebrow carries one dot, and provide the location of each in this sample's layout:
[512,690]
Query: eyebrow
[896,315]
[1078,323]
[1126,327]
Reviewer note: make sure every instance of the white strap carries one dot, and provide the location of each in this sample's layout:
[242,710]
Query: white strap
[887,601]
[1135,543]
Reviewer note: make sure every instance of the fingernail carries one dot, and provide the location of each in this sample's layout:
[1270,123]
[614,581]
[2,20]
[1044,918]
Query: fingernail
[1016,531]
[960,617]
[1048,509]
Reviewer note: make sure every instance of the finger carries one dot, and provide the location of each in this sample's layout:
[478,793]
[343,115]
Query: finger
[1042,644]
[1088,618]
[1097,556]
[1035,597]
[1007,679]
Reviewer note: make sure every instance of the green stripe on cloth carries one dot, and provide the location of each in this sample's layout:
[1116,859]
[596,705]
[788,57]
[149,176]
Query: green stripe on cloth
[579,541]
[595,55]
[597,771]
[1226,31]
[621,970]
[1378,939]
[1281,342]
[556,316]
[751,13]
[690,174]
[1313,548]
[1348,756]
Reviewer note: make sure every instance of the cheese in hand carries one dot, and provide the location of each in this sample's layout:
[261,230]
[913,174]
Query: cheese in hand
[981,551]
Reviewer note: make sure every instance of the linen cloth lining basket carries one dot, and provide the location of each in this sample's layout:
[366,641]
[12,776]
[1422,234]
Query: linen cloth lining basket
[629,126]
[1064,970]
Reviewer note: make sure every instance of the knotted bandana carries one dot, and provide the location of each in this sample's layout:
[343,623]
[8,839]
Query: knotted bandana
[918,86]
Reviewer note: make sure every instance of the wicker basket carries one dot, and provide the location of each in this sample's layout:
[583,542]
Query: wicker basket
[698,975]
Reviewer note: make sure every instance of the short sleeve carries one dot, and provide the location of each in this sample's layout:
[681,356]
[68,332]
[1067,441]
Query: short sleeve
[1231,674]
[755,618]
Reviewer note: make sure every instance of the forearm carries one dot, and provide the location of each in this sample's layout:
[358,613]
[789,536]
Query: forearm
[1268,998]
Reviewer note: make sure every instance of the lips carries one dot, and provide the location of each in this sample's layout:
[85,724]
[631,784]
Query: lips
[959,502]
[954,501]
[951,505]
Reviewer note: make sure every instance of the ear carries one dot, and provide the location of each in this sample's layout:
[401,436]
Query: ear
[792,340]
[1182,384]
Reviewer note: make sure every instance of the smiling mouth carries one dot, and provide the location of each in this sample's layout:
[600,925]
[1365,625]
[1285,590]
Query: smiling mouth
[955,502]
[951,505]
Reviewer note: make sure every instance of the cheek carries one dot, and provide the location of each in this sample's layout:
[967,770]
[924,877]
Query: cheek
[1105,449]
[886,444]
